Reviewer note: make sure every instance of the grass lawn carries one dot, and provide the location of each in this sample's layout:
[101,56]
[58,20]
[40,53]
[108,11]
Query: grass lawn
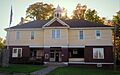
[21,68]
[83,71]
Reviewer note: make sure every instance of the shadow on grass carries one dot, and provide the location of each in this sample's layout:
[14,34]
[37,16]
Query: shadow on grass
[21,68]
[83,71]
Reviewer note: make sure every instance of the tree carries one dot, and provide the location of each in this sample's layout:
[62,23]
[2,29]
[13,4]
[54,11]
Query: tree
[2,43]
[64,14]
[79,12]
[116,20]
[91,15]
[39,11]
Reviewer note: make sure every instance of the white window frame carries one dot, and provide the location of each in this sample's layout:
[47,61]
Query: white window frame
[32,34]
[98,51]
[98,37]
[55,33]
[17,35]
[75,51]
[15,54]
[80,34]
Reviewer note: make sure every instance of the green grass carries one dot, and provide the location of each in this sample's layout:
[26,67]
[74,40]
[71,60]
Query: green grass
[83,71]
[21,68]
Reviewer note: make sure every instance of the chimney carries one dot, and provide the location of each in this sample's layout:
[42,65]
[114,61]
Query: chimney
[22,21]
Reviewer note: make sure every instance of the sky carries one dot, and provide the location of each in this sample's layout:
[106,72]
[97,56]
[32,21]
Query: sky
[105,8]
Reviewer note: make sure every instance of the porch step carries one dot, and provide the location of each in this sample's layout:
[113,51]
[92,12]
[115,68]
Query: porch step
[56,64]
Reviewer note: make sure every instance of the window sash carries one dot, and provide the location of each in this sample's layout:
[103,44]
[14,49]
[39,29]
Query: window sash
[17,35]
[98,53]
[55,33]
[32,35]
[17,52]
[98,34]
[81,35]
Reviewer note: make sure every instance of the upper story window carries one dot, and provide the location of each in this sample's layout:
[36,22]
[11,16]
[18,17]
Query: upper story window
[32,35]
[17,35]
[98,34]
[98,53]
[81,35]
[56,33]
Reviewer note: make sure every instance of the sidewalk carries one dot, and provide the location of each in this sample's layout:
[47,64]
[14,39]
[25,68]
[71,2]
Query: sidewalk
[44,71]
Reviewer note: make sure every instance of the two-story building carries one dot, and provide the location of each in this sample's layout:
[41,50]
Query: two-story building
[67,41]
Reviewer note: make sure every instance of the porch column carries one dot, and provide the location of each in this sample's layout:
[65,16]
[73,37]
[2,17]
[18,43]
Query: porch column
[64,54]
[46,54]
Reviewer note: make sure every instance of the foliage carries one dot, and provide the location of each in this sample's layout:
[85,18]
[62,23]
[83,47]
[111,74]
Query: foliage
[2,43]
[20,68]
[82,71]
[79,12]
[91,15]
[116,20]
[39,11]
[64,14]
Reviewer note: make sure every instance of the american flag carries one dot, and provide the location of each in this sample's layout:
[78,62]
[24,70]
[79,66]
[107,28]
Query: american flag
[11,14]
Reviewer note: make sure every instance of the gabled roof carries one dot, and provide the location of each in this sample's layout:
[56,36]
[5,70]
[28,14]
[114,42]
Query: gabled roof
[55,20]
[72,24]
[83,23]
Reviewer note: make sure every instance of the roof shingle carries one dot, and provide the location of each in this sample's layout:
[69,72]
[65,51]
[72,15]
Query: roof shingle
[71,23]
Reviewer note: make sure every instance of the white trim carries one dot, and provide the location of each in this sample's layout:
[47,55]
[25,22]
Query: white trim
[76,46]
[53,20]
[45,62]
[86,28]
[38,29]
[76,62]
[99,44]
[56,27]
[87,63]
[26,29]
[81,63]
[35,46]
[46,46]
[97,63]
[66,63]
[64,46]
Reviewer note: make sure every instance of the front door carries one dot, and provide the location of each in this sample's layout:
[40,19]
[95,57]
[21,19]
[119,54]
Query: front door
[57,57]
[55,54]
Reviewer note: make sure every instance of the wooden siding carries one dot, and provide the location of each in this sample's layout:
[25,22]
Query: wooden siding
[69,37]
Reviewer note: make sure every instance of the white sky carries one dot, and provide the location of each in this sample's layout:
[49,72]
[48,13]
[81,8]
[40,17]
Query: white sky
[105,8]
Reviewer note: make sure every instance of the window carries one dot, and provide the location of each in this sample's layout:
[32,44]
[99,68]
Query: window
[56,34]
[32,35]
[98,53]
[17,35]
[98,34]
[17,52]
[81,34]
[51,55]
[75,52]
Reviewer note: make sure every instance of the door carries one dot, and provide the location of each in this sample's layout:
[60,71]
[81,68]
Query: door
[57,57]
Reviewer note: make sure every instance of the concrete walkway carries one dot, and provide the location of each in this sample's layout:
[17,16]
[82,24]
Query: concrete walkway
[44,71]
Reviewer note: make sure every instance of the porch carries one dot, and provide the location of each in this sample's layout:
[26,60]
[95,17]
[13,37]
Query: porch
[76,56]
